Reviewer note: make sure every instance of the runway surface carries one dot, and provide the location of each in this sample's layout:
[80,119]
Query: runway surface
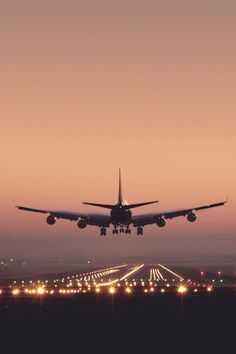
[123,278]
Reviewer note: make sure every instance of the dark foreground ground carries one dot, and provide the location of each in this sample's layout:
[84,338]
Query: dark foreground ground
[107,323]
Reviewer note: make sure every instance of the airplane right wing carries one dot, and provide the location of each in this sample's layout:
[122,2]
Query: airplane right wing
[152,218]
[84,219]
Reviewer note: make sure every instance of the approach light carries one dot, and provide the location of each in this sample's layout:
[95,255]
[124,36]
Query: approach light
[112,290]
[40,291]
[182,290]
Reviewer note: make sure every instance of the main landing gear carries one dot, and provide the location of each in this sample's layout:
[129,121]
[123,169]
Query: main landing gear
[127,231]
[103,231]
[115,231]
[140,230]
[122,230]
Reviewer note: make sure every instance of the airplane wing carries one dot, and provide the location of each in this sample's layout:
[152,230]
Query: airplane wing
[100,220]
[152,218]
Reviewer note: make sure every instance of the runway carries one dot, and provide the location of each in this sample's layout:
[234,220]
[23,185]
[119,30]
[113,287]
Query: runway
[124,278]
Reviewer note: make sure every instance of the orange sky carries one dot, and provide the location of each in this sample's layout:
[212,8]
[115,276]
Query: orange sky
[90,86]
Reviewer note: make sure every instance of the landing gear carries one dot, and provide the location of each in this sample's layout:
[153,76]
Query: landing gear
[127,231]
[140,230]
[103,231]
[122,230]
[115,231]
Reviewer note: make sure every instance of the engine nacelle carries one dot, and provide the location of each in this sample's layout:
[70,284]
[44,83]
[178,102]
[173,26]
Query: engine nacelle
[191,217]
[161,222]
[51,220]
[82,223]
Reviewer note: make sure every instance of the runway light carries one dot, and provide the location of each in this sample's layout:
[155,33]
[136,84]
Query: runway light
[182,289]
[40,291]
[97,290]
[52,292]
[195,290]
[152,289]
[0,291]
[209,289]
[128,290]
[145,290]
[16,292]
[162,290]
[112,290]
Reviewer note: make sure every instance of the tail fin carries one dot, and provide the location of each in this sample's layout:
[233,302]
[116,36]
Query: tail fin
[120,195]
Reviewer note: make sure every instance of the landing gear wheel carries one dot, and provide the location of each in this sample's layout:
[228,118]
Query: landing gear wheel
[103,231]
[140,230]
[115,232]
[127,231]
[122,230]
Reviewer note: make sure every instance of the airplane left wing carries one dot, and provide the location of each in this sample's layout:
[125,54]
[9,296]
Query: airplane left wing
[152,218]
[100,220]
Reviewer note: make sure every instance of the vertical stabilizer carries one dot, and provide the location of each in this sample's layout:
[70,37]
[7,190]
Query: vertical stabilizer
[120,196]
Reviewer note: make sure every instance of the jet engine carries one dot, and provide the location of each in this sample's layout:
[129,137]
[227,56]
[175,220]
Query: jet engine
[161,222]
[191,217]
[51,220]
[82,223]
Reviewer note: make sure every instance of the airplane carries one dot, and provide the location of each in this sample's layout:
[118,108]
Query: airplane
[120,217]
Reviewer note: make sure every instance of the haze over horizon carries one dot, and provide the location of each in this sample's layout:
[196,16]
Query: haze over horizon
[91,86]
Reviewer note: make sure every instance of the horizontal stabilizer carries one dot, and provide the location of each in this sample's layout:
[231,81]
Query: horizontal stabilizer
[31,209]
[132,206]
[106,206]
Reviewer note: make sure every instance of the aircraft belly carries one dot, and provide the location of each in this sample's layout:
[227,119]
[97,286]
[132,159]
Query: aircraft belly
[121,217]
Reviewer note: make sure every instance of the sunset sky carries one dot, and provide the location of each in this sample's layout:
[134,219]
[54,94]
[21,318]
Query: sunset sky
[93,85]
